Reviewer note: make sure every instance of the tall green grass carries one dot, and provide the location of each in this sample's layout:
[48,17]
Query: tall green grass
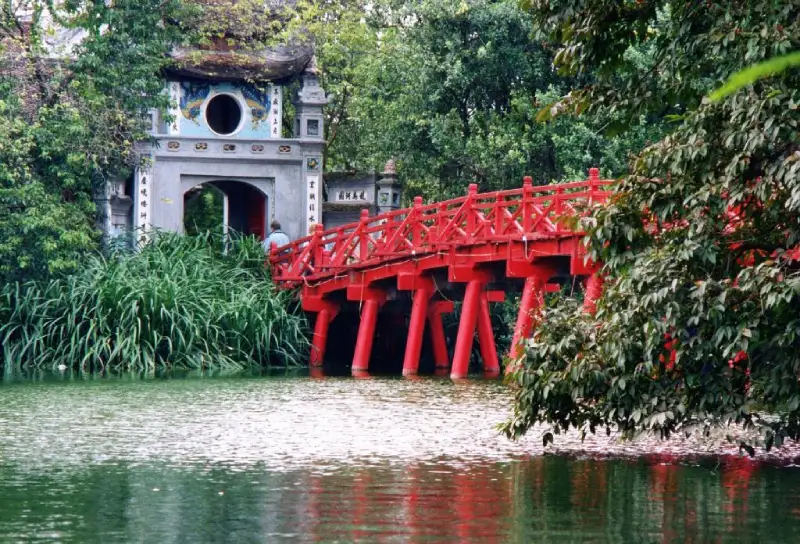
[177,302]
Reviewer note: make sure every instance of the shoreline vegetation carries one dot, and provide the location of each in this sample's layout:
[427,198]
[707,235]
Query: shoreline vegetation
[177,302]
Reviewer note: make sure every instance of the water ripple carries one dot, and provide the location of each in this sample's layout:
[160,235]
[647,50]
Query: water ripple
[344,460]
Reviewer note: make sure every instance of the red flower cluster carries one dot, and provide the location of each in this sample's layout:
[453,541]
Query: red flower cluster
[738,358]
[669,345]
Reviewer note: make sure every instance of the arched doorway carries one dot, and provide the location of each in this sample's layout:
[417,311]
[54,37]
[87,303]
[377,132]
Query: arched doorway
[231,205]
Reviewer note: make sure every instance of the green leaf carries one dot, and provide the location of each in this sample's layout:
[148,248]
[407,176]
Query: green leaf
[750,75]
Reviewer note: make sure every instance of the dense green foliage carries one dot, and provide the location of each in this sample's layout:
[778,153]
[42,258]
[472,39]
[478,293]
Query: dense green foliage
[700,242]
[451,89]
[69,117]
[176,303]
[41,229]
[203,211]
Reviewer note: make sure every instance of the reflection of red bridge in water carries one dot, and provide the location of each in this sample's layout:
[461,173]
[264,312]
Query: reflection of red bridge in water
[474,248]
[658,498]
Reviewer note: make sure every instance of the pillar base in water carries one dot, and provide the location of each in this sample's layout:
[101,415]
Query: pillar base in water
[466,329]
[366,334]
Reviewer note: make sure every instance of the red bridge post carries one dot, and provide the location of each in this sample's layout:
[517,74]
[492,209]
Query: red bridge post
[466,329]
[366,334]
[594,290]
[532,300]
[580,265]
[423,290]
[320,341]
[491,364]
[438,340]
[326,312]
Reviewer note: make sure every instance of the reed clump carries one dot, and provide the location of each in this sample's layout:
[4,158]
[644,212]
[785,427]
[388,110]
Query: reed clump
[176,302]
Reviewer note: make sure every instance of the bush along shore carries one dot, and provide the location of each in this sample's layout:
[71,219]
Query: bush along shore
[175,302]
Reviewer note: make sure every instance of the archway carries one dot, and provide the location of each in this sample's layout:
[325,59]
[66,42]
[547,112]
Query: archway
[233,205]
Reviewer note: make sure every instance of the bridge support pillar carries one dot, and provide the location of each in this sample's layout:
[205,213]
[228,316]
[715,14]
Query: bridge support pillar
[371,300]
[466,329]
[594,290]
[326,312]
[320,340]
[366,334]
[532,300]
[438,340]
[491,365]
[416,329]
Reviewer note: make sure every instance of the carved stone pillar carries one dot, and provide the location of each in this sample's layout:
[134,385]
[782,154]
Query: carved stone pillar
[390,191]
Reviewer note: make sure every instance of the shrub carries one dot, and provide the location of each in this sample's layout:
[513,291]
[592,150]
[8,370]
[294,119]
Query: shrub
[176,302]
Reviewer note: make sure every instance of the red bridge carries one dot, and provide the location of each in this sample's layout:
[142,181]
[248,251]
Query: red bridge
[475,248]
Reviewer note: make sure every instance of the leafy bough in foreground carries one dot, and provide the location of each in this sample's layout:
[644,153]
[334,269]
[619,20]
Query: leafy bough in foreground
[670,361]
[176,303]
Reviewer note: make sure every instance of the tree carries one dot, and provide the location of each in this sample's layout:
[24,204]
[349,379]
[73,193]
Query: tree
[700,321]
[76,82]
[449,89]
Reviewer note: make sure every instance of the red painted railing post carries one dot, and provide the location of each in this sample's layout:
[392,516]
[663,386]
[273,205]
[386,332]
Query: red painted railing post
[363,237]
[388,230]
[559,196]
[441,222]
[326,259]
[499,213]
[338,245]
[527,204]
[416,226]
[472,215]
[318,248]
[273,252]
[594,178]
[558,208]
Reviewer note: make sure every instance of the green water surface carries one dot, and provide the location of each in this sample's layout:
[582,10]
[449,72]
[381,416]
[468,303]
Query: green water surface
[300,459]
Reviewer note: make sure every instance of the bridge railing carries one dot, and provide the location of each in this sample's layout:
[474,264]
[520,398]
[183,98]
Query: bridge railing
[530,212]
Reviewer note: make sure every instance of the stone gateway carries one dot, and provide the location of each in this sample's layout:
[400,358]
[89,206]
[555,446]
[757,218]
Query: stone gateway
[227,132]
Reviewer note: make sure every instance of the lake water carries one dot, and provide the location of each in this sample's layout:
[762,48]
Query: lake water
[299,459]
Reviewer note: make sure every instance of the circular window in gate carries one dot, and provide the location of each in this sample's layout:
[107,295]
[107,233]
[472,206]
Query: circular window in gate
[223,114]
